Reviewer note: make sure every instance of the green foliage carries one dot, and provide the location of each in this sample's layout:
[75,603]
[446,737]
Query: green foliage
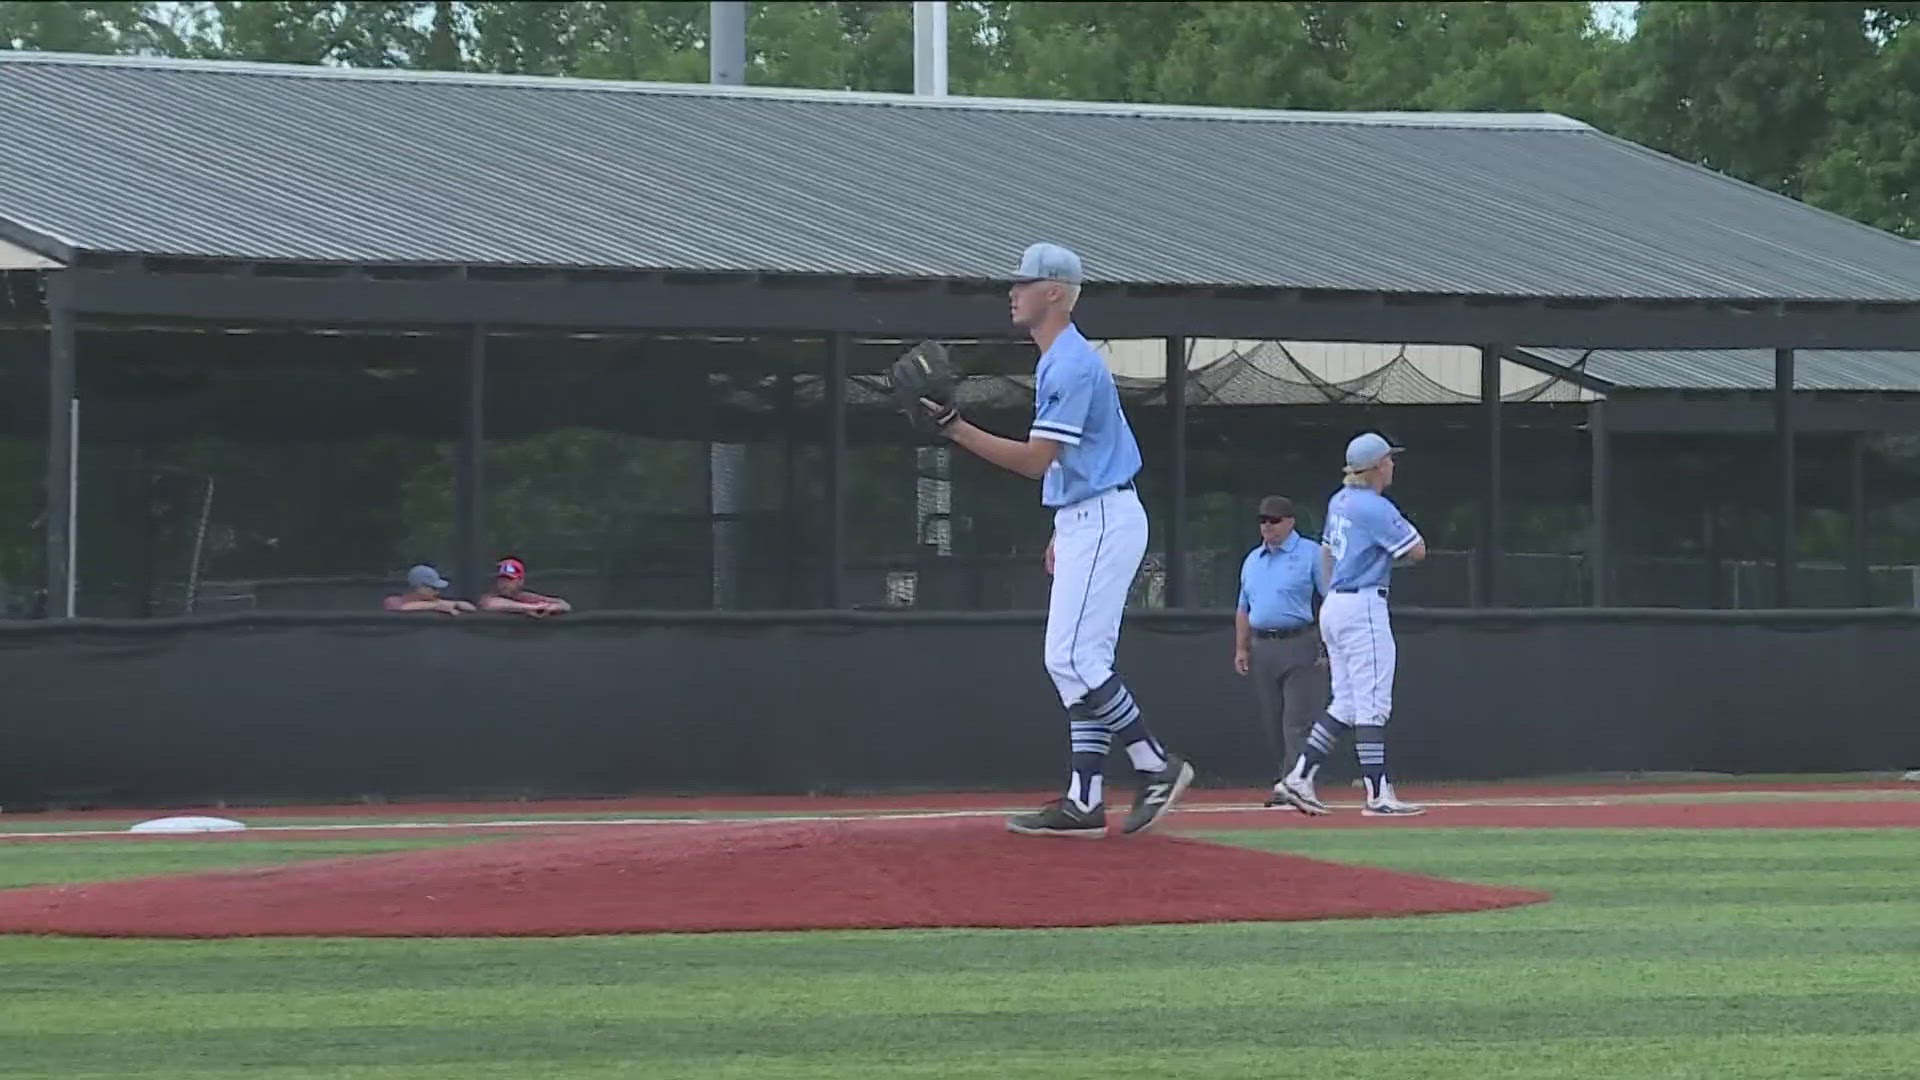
[1747,89]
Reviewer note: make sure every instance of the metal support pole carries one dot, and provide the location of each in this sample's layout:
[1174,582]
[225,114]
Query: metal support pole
[838,350]
[930,48]
[1487,593]
[199,544]
[470,499]
[1857,518]
[1787,555]
[727,42]
[726,462]
[63,458]
[933,465]
[789,486]
[1177,593]
[1602,452]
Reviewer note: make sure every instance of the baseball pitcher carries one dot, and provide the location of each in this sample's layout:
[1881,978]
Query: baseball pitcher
[1081,449]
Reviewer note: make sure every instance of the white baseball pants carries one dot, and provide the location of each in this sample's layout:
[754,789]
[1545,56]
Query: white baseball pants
[1360,656]
[1097,548]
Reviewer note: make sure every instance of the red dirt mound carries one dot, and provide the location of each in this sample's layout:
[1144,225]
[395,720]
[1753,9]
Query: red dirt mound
[745,876]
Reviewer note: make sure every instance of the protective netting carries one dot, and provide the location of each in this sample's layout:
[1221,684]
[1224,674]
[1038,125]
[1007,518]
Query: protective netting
[227,471]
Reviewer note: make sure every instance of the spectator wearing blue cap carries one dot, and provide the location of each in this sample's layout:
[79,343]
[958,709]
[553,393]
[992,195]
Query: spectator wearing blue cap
[424,584]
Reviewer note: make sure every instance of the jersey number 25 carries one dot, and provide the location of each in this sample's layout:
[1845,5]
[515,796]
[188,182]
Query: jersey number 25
[1337,536]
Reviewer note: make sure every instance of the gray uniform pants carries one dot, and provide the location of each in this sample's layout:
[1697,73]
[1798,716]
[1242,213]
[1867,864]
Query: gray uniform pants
[1291,689]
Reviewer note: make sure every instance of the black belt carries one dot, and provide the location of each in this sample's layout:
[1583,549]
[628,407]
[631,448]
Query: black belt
[1295,632]
[1128,486]
[1382,591]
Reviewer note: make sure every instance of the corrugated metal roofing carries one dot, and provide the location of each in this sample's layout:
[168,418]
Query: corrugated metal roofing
[1743,369]
[232,161]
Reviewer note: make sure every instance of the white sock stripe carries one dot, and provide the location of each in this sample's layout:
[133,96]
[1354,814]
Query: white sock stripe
[1089,738]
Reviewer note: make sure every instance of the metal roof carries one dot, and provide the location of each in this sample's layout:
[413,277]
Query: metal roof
[281,163]
[1741,369]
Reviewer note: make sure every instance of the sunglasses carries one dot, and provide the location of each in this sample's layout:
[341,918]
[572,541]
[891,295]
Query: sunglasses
[1265,520]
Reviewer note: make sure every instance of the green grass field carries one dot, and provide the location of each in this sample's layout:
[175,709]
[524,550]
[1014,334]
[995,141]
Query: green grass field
[1665,954]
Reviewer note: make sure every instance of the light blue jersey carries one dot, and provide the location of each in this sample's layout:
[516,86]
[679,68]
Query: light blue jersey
[1076,404]
[1365,533]
[1277,585]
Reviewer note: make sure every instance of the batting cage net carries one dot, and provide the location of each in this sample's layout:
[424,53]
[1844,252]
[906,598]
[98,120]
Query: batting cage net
[224,471]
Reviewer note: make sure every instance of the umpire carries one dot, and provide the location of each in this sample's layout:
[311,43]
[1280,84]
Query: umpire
[1275,640]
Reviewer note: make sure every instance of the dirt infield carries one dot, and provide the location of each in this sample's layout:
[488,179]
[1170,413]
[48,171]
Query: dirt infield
[1618,806]
[1451,794]
[1865,814]
[848,874]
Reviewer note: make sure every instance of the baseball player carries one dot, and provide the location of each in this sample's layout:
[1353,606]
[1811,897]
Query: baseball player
[1365,536]
[1081,449]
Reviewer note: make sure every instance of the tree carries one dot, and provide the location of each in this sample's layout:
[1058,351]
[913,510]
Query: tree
[87,28]
[1746,89]
[1869,166]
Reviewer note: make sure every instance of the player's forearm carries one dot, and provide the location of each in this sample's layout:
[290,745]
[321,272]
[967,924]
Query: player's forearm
[1030,458]
[422,605]
[502,604]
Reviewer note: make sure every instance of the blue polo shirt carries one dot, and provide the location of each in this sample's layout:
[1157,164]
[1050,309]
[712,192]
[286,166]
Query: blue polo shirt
[1277,585]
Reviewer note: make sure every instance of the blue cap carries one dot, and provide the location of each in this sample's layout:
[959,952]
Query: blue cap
[425,577]
[1049,262]
[1366,451]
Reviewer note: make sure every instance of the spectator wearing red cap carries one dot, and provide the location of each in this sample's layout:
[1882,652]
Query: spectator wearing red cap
[509,594]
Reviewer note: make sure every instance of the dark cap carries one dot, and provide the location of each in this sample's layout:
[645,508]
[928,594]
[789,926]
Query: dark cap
[1276,506]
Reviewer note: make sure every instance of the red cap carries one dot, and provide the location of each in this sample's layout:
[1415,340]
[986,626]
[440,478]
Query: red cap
[511,568]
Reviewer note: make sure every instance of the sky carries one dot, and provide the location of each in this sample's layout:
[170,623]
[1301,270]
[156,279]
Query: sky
[1616,17]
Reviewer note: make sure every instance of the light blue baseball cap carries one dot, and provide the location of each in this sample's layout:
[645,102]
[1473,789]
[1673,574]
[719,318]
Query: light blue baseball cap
[425,577]
[1366,451]
[1049,262]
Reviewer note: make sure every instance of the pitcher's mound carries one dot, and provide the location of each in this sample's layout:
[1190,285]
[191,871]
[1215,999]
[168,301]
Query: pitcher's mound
[744,876]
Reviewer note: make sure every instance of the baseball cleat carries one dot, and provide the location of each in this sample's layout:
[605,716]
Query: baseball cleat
[1299,795]
[1061,818]
[1157,794]
[1392,807]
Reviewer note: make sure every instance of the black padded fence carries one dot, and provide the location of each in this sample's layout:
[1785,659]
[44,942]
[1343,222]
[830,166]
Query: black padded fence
[274,708]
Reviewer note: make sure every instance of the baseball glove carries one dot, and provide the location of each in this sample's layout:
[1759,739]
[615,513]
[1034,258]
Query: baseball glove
[923,384]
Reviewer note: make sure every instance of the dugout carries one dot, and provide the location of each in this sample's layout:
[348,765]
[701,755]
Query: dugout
[275,332]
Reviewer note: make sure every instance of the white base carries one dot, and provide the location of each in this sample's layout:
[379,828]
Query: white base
[188,824]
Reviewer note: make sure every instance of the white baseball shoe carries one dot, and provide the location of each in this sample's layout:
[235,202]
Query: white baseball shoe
[1391,806]
[1299,795]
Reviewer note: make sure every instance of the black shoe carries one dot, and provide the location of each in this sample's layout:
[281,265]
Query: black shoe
[1157,794]
[1061,818]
